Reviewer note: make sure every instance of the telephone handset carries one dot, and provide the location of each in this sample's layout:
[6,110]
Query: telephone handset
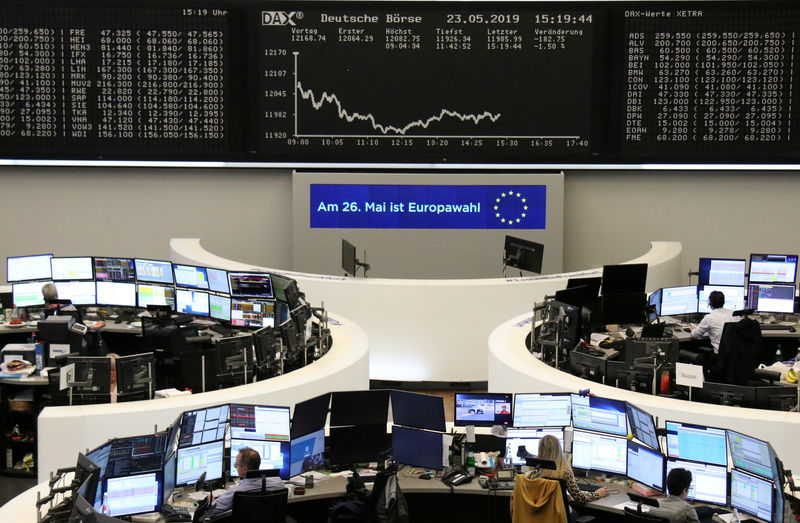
[456,477]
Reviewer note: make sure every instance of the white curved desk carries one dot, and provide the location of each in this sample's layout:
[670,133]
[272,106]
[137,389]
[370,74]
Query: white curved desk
[432,330]
[65,431]
[513,369]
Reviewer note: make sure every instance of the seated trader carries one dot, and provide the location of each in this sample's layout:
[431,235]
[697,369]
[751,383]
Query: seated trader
[247,459]
[674,507]
[712,323]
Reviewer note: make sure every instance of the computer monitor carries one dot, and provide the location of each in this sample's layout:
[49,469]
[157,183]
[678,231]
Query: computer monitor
[234,355]
[577,296]
[290,338]
[279,285]
[192,302]
[417,448]
[119,294]
[421,411]
[643,426]
[219,307]
[252,313]
[359,407]
[203,425]
[593,282]
[193,461]
[155,295]
[348,257]
[28,294]
[357,444]
[776,397]
[135,376]
[136,454]
[599,452]
[734,297]
[663,349]
[727,394]
[679,300]
[750,454]
[310,415]
[22,268]
[250,285]
[190,276]
[307,452]
[696,443]
[523,254]
[588,366]
[79,268]
[93,373]
[721,271]
[599,414]
[274,455]
[624,308]
[218,280]
[266,343]
[542,410]
[654,300]
[170,465]
[773,268]
[114,269]
[153,271]
[752,495]
[87,475]
[77,292]
[482,409]
[133,494]
[769,297]
[628,278]
[259,422]
[525,442]
[709,482]
[292,294]
[645,466]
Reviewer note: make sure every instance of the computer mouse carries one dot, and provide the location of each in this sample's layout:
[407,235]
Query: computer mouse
[425,476]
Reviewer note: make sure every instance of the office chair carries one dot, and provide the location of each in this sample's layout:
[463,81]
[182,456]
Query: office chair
[261,507]
[642,517]
[585,518]
[739,351]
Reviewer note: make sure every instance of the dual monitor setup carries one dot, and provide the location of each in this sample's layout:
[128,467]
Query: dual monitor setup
[601,442]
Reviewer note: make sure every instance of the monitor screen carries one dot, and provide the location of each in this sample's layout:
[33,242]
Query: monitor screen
[135,374]
[734,297]
[114,269]
[522,441]
[193,461]
[250,284]
[192,302]
[99,457]
[218,280]
[645,466]
[219,307]
[768,297]
[751,494]
[28,294]
[679,300]
[307,452]
[359,407]
[417,448]
[750,454]
[600,452]
[629,278]
[169,475]
[136,455]
[310,415]
[203,426]
[422,411]
[72,268]
[523,254]
[599,414]
[697,443]
[153,271]
[258,422]
[359,444]
[643,427]
[155,295]
[133,494]
[721,271]
[78,292]
[274,455]
[252,313]
[542,410]
[116,293]
[21,268]
[773,268]
[709,482]
[482,409]
[348,258]
[190,276]
[655,300]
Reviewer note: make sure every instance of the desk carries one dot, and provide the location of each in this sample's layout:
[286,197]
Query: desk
[26,420]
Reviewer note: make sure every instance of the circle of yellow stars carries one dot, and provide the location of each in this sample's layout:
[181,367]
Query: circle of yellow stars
[506,220]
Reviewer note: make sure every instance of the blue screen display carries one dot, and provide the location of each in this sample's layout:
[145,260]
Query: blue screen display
[697,443]
[341,206]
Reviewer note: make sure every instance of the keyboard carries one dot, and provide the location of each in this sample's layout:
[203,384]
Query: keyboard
[776,327]
[175,513]
[221,330]
[588,487]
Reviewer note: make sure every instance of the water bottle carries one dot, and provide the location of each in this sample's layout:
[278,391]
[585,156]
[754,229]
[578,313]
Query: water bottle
[39,359]
[470,463]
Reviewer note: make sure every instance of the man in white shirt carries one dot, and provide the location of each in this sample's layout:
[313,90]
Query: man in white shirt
[247,459]
[712,323]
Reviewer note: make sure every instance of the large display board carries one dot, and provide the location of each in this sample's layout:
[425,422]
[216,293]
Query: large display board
[300,83]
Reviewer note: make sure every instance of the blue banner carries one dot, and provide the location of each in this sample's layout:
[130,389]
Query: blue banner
[340,206]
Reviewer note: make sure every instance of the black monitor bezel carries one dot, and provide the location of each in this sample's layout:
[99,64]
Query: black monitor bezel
[271,295]
[412,460]
[140,279]
[633,427]
[347,407]
[317,408]
[603,435]
[125,280]
[766,444]
[626,278]
[757,477]
[514,410]
[159,479]
[750,270]
[193,313]
[9,280]
[481,423]
[666,442]
[700,272]
[669,460]
[646,448]
[122,282]
[91,268]
[407,417]
[534,263]
[183,285]
[349,258]
[600,399]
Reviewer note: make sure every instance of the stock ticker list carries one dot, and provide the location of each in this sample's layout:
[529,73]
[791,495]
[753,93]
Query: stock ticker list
[705,81]
[113,80]
[445,83]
